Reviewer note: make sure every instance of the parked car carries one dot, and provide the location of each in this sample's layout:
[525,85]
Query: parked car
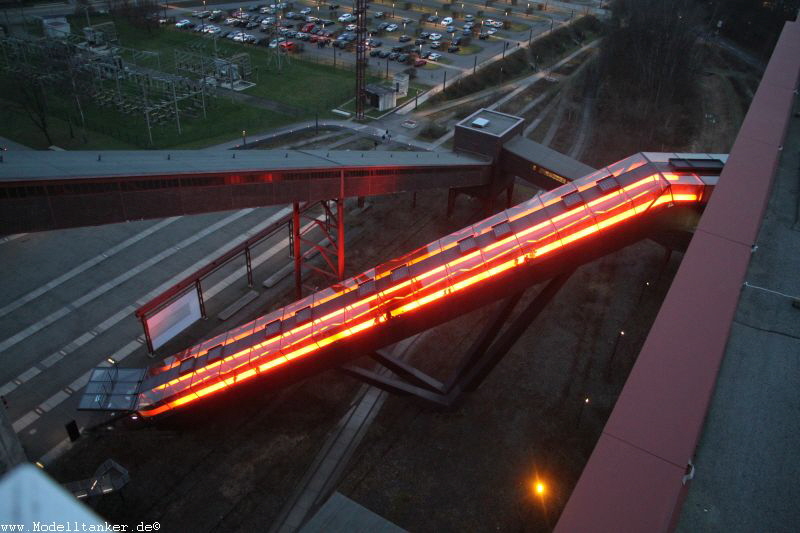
[402,58]
[450,29]
[491,31]
[347,17]
[287,46]
[378,15]
[483,36]
[391,27]
[404,38]
[419,62]
[383,25]
[333,6]
[453,49]
[425,54]
[394,55]
[435,36]
[407,21]
[435,44]
[374,43]
[446,21]
[420,41]
[433,56]
[456,41]
[374,52]
[433,18]
[305,11]
[351,27]
[384,54]
[184,24]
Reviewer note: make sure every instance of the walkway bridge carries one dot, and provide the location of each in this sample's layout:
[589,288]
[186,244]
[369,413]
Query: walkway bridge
[544,238]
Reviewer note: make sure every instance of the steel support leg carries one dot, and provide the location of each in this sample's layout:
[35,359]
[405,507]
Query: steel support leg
[484,340]
[408,372]
[340,236]
[481,369]
[298,276]
[394,386]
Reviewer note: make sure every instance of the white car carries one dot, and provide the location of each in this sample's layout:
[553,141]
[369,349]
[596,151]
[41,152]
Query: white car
[347,17]
[182,23]
[433,56]
[391,27]
[435,36]
[351,27]
[447,21]
[305,11]
[491,31]
[274,42]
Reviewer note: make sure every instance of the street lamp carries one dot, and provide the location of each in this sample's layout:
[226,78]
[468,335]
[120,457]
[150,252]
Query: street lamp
[244,137]
[392,9]
[203,28]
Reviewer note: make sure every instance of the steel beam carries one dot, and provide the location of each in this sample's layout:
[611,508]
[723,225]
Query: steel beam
[395,386]
[510,336]
[408,372]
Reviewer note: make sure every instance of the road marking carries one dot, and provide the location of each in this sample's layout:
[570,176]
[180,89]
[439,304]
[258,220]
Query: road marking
[29,418]
[264,256]
[128,311]
[10,238]
[83,267]
[53,401]
[105,287]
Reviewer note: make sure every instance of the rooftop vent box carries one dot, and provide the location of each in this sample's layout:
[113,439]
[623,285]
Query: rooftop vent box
[480,123]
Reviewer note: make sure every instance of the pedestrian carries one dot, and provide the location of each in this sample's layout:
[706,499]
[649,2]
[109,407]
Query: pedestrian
[5,403]
[383,137]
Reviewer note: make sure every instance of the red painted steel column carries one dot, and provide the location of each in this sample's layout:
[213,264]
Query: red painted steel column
[298,277]
[340,236]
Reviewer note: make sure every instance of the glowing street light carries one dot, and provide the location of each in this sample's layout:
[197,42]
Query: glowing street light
[540,488]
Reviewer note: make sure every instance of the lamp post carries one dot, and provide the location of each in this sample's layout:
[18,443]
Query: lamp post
[614,351]
[584,403]
[244,137]
[392,9]
[203,27]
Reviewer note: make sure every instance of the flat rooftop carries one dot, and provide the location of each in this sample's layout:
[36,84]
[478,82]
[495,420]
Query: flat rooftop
[497,123]
[33,165]
[746,461]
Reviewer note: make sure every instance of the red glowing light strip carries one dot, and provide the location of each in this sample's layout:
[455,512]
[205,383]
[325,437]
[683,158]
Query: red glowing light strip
[663,198]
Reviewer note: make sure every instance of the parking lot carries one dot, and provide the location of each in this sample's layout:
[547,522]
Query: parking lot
[426,36]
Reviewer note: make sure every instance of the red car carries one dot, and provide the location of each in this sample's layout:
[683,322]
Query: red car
[420,63]
[308,27]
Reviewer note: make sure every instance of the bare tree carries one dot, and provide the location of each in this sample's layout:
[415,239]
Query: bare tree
[32,100]
[649,60]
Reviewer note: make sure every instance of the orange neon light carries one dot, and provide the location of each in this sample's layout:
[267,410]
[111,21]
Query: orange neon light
[375,316]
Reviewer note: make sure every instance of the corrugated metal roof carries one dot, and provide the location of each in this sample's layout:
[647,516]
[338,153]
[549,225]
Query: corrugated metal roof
[31,165]
[559,163]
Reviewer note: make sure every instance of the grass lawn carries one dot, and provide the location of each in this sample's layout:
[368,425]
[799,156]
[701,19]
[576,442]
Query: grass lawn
[518,27]
[469,49]
[112,129]
[16,126]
